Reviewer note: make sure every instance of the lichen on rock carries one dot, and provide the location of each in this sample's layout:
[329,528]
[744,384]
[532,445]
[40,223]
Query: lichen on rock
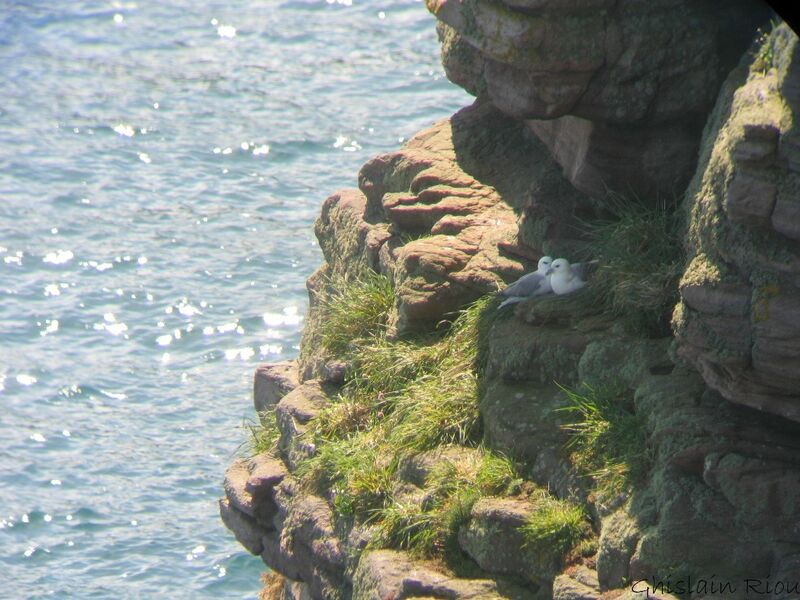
[740,294]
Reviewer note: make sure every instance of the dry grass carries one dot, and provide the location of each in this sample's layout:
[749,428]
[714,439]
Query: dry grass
[273,586]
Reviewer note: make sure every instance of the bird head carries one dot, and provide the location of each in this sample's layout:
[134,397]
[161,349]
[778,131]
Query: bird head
[559,265]
[544,263]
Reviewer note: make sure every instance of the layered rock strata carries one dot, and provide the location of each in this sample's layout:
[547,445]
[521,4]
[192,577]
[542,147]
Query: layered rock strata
[737,322]
[450,216]
[617,89]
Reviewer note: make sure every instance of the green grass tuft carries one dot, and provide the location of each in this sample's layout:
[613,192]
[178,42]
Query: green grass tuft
[640,262]
[354,310]
[430,528]
[555,528]
[764,53]
[382,366]
[263,435]
[498,475]
[353,470]
[608,442]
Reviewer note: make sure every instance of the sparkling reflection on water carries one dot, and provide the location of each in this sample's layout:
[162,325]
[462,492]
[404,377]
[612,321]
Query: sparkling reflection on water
[161,165]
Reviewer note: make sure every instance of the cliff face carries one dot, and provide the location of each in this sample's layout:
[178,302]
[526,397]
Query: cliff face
[559,450]
[737,322]
[617,90]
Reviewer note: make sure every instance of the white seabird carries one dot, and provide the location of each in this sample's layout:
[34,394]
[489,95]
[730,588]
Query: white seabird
[530,285]
[566,278]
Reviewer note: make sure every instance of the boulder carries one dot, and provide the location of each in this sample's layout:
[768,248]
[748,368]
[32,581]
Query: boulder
[248,533]
[492,537]
[577,582]
[271,382]
[385,574]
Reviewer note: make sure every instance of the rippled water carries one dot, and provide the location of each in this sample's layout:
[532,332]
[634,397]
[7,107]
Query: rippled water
[161,165]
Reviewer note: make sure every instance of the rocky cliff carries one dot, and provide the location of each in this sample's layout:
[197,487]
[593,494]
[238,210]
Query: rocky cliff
[642,431]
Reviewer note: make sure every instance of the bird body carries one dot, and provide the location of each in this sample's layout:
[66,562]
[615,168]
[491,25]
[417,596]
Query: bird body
[566,278]
[530,285]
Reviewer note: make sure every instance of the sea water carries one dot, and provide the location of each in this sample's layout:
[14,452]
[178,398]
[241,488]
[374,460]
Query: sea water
[161,166]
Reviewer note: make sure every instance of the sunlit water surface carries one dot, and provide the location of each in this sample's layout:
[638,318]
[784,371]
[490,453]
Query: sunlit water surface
[161,165]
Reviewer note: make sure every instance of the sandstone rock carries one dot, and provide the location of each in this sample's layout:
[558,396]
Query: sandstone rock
[310,522]
[265,473]
[618,537]
[298,562]
[305,547]
[651,161]
[518,351]
[248,533]
[520,419]
[700,442]
[737,321]
[577,583]
[250,489]
[236,477]
[346,240]
[383,574]
[617,90]
[492,537]
[613,360]
[272,382]
[293,413]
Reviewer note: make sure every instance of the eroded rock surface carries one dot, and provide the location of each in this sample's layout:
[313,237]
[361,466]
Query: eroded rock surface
[618,90]
[451,216]
[738,321]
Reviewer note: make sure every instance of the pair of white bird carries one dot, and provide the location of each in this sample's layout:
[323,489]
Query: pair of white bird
[557,277]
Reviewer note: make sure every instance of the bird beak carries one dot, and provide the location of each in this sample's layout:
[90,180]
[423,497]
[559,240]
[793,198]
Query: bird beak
[549,271]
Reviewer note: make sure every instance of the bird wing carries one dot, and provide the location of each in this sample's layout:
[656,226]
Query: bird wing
[525,285]
[511,300]
[584,269]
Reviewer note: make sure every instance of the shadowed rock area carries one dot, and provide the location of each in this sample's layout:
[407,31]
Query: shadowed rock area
[618,90]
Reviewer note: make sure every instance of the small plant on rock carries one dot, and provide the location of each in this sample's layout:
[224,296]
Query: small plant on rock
[608,442]
[640,262]
[555,528]
[263,435]
[354,310]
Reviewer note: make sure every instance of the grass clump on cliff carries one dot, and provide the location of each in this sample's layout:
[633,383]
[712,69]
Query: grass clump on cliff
[640,262]
[764,53]
[355,472]
[555,528]
[430,527]
[402,398]
[355,309]
[608,442]
[263,436]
